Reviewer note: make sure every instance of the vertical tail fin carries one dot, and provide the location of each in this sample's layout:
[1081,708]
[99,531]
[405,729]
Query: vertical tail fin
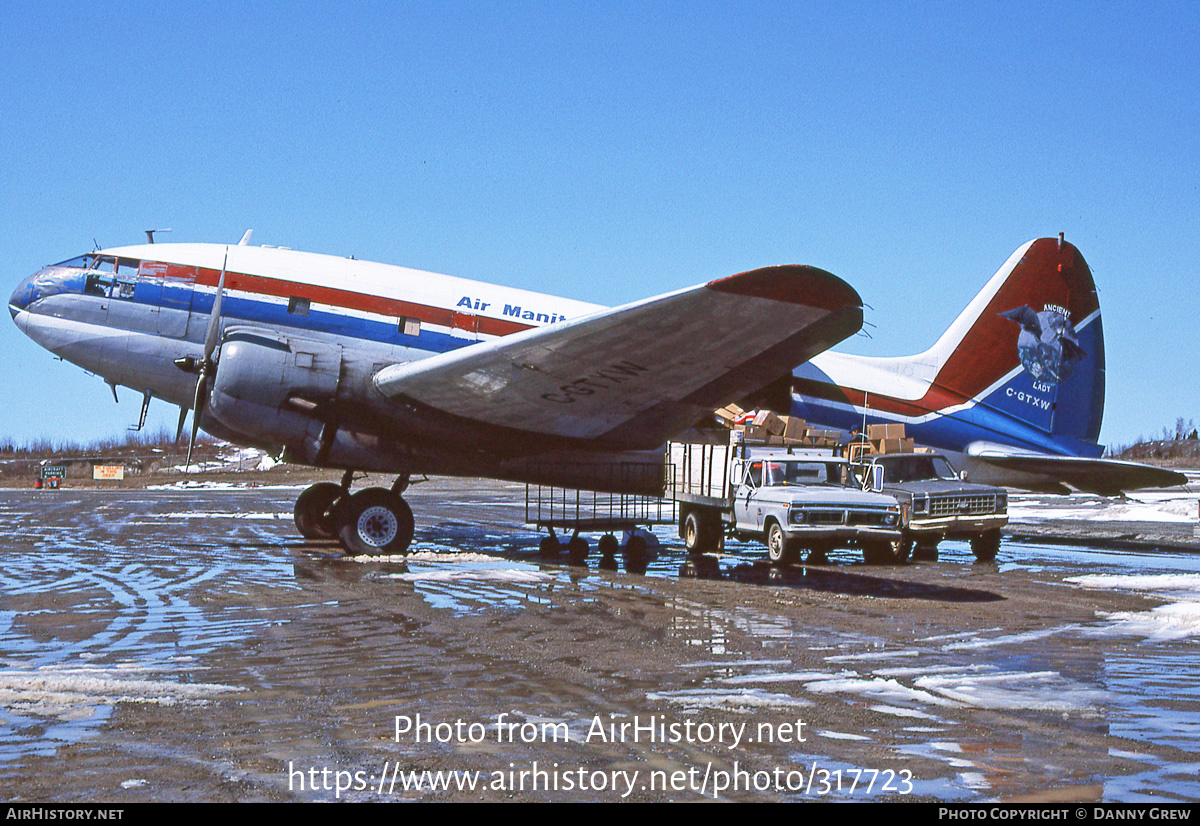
[1030,346]
[1022,365]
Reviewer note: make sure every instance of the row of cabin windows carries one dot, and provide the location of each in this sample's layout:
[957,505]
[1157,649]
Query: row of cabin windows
[406,326]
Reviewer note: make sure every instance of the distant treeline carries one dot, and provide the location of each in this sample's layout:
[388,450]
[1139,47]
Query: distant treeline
[162,437]
[1179,441]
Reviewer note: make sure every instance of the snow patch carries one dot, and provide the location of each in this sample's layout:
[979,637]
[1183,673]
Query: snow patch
[746,699]
[73,692]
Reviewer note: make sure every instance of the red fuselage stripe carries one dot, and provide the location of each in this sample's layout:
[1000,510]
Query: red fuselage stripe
[332,296]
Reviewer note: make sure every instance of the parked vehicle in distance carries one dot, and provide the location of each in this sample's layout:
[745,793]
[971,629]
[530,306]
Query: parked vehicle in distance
[936,503]
[791,500]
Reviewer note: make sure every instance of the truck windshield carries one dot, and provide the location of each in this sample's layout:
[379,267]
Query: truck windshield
[804,473]
[916,468]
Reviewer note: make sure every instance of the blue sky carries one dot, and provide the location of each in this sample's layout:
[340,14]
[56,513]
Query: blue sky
[611,151]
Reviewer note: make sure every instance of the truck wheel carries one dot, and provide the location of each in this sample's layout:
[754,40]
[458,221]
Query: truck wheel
[901,550]
[699,533]
[780,549]
[986,545]
[926,551]
[879,553]
[375,520]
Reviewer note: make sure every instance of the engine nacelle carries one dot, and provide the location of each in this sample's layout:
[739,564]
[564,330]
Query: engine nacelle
[259,371]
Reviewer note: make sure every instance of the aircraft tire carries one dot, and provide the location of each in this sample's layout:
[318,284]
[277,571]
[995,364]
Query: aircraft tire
[314,514]
[986,545]
[780,549]
[375,521]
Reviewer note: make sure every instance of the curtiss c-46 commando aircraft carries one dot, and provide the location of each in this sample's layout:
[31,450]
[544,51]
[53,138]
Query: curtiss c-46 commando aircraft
[341,363]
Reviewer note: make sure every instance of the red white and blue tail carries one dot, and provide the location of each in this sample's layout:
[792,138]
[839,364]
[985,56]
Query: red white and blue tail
[1022,367]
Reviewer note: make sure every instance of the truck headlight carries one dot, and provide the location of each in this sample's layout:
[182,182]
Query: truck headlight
[920,504]
[1001,502]
[796,517]
[891,519]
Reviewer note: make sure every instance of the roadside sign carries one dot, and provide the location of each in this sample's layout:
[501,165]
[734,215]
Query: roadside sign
[108,472]
[54,471]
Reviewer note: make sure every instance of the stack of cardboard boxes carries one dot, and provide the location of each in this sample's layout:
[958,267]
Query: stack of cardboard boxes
[888,438]
[768,428]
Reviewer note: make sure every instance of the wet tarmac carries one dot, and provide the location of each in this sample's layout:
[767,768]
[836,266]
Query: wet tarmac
[187,645]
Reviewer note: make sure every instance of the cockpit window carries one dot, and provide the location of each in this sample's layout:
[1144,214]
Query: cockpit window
[79,262]
[127,267]
[98,284]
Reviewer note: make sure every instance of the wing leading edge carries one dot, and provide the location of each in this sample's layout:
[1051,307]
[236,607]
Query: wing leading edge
[634,376]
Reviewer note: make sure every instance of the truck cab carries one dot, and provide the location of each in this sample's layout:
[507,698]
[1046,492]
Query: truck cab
[813,502]
[936,502]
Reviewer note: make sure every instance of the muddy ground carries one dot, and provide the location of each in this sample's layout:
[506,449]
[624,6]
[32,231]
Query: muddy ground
[187,645]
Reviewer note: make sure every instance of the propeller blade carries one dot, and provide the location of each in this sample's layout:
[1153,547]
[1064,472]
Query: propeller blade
[207,367]
[214,320]
[197,409]
[183,411]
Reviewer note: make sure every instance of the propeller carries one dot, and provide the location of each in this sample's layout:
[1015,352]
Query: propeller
[206,368]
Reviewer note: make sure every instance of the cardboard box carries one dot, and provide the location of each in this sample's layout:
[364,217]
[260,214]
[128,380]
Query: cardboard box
[793,427]
[889,446]
[878,432]
[755,433]
[727,414]
[770,421]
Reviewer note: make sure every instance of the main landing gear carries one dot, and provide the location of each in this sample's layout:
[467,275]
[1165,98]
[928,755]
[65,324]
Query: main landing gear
[370,521]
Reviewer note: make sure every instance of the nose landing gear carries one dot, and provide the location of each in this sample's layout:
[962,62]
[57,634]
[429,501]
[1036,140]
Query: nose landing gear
[371,521]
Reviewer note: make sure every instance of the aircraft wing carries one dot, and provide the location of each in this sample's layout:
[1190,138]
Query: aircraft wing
[1106,477]
[634,376]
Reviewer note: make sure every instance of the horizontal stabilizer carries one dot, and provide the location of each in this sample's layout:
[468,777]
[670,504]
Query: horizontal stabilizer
[1106,477]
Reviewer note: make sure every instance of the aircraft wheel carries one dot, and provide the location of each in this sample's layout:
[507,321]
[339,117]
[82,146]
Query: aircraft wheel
[375,521]
[986,545]
[314,511]
[780,549]
[577,550]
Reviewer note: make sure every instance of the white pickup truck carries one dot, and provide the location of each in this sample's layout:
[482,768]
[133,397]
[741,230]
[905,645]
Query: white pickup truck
[792,500]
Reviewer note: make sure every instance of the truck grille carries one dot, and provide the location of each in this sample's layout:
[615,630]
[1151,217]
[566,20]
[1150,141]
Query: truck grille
[973,505]
[872,519]
[826,517]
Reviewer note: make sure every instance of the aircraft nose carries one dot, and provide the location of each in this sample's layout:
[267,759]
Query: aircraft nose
[22,296]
